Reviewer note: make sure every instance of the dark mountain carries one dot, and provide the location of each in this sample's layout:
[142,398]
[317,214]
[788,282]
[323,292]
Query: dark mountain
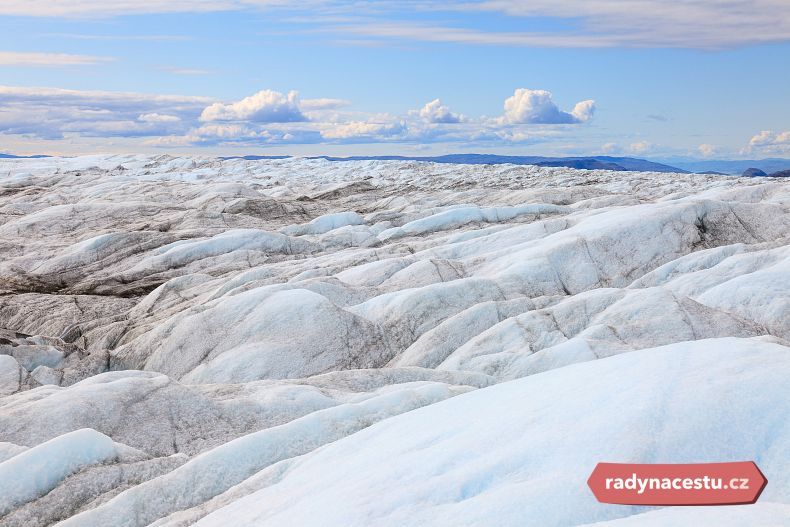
[642,165]
[780,173]
[753,172]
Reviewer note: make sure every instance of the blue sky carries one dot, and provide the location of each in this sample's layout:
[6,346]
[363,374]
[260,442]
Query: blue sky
[652,78]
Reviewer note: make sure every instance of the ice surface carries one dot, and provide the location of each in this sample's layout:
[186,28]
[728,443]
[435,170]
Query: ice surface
[260,340]
[520,453]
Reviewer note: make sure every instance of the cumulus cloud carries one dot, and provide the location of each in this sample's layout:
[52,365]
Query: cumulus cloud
[769,142]
[269,106]
[266,106]
[583,110]
[437,113]
[537,107]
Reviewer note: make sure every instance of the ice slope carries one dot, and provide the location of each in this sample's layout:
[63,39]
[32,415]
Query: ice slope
[225,322]
[520,453]
[215,471]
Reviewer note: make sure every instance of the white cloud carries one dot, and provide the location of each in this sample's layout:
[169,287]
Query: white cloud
[583,110]
[407,30]
[266,106]
[266,118]
[360,129]
[97,98]
[660,23]
[768,137]
[707,150]
[238,134]
[224,131]
[50,113]
[53,113]
[437,113]
[641,147]
[158,118]
[769,142]
[15,58]
[537,107]
[596,23]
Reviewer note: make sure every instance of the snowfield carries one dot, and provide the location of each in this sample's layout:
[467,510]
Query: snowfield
[299,342]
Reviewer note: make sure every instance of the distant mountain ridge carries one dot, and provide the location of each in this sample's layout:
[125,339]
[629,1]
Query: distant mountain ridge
[776,167]
[586,162]
[12,156]
[734,167]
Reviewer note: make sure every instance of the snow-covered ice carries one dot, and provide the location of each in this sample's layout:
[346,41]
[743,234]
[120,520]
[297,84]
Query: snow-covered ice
[519,453]
[306,342]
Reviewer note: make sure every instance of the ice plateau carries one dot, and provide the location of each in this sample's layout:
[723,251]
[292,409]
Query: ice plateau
[189,340]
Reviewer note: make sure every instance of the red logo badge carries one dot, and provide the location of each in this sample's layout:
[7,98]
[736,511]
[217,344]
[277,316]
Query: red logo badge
[733,483]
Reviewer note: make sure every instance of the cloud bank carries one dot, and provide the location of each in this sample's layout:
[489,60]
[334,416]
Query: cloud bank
[269,117]
[54,113]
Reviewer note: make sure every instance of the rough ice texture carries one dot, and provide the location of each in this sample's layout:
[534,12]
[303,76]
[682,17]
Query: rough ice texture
[239,339]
